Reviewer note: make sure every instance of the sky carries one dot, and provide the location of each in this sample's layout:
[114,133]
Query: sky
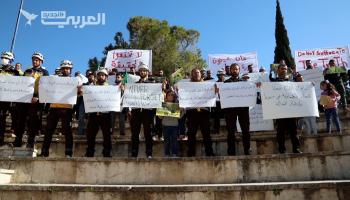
[225,26]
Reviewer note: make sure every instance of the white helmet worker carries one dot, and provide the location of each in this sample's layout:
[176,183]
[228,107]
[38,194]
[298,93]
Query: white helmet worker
[143,66]
[38,55]
[66,64]
[102,70]
[7,55]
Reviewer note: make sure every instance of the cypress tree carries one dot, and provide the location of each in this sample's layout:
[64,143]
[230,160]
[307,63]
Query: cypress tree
[282,49]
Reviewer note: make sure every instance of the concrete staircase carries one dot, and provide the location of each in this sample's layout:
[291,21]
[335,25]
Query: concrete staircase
[322,172]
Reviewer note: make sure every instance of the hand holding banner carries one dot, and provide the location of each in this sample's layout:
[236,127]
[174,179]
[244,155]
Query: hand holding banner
[288,100]
[196,94]
[57,89]
[16,89]
[101,98]
[143,95]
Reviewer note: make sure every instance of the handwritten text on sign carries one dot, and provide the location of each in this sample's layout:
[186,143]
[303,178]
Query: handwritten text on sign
[219,61]
[239,94]
[56,89]
[124,59]
[101,98]
[196,94]
[257,123]
[143,95]
[320,57]
[16,88]
[288,99]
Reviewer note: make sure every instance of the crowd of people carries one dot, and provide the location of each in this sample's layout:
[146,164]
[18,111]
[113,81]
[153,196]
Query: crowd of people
[27,117]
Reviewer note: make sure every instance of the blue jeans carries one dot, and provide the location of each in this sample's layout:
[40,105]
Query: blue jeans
[171,146]
[332,113]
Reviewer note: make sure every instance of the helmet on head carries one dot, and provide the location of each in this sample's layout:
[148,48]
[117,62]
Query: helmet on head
[8,55]
[102,70]
[143,66]
[66,64]
[38,56]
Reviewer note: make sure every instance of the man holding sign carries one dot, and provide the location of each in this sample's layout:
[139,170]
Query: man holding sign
[231,117]
[57,112]
[99,119]
[142,116]
[286,124]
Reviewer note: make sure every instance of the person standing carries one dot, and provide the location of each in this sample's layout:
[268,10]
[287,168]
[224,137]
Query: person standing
[288,125]
[337,75]
[97,120]
[198,117]
[242,113]
[141,116]
[32,110]
[57,112]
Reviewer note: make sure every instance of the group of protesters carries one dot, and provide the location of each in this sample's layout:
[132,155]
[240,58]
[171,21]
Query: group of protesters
[169,129]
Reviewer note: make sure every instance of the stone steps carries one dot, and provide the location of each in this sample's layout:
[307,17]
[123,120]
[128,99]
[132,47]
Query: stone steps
[260,145]
[306,190]
[199,170]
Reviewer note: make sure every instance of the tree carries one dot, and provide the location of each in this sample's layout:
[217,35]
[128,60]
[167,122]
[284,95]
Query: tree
[282,49]
[172,46]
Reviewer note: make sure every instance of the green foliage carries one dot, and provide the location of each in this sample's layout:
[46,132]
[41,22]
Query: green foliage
[282,49]
[172,46]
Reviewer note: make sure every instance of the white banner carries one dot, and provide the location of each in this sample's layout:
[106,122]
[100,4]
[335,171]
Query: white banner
[99,98]
[314,76]
[257,123]
[321,56]
[57,89]
[124,59]
[288,100]
[258,77]
[196,94]
[219,61]
[16,88]
[237,94]
[143,95]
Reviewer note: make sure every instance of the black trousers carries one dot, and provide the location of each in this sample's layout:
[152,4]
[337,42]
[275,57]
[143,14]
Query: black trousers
[231,120]
[138,117]
[27,113]
[95,121]
[288,125]
[218,113]
[55,114]
[4,107]
[199,119]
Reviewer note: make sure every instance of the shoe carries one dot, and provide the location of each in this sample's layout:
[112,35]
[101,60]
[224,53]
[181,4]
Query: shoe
[43,155]
[282,151]
[68,156]
[297,150]
[149,157]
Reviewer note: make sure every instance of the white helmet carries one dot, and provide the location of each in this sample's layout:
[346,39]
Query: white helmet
[102,70]
[8,55]
[38,55]
[143,66]
[66,63]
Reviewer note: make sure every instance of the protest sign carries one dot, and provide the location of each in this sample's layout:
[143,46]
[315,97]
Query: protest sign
[314,76]
[143,95]
[288,99]
[16,89]
[219,61]
[101,98]
[320,57]
[196,94]
[237,94]
[258,77]
[124,59]
[257,123]
[169,110]
[57,89]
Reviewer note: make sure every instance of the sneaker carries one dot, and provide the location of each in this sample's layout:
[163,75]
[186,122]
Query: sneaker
[297,151]
[149,157]
[68,156]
